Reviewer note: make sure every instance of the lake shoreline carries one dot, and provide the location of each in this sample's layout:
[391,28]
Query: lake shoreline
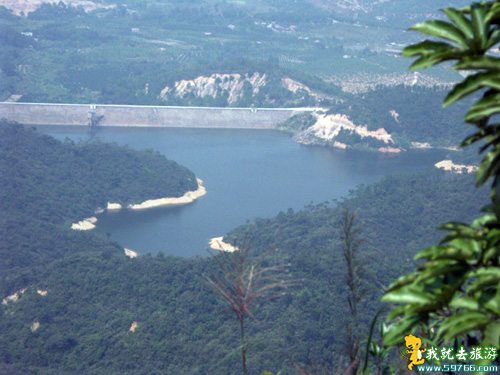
[187,198]
[250,173]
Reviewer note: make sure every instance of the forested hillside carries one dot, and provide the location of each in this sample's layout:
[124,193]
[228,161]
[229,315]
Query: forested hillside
[424,124]
[424,121]
[94,294]
[47,185]
[89,174]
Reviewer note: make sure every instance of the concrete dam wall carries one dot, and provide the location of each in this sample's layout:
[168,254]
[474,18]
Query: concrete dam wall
[146,116]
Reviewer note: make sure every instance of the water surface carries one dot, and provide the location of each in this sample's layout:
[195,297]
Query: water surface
[247,173]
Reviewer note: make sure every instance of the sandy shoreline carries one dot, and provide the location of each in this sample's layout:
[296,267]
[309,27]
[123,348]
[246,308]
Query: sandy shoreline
[428,146]
[113,206]
[187,198]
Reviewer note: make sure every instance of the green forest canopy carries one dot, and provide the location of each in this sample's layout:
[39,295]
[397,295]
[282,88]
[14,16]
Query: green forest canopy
[95,292]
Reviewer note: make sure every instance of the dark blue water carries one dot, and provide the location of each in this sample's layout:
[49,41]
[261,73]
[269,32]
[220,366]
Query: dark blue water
[247,173]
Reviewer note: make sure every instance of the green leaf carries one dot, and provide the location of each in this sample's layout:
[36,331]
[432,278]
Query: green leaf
[493,304]
[424,62]
[494,39]
[397,311]
[488,271]
[490,141]
[467,244]
[460,21]
[403,280]
[492,253]
[477,63]
[456,226]
[492,334]
[411,294]
[493,13]
[438,268]
[483,283]
[370,344]
[479,25]
[471,84]
[460,323]
[487,166]
[484,220]
[399,330]
[461,302]
[425,47]
[430,252]
[473,139]
[485,107]
[441,29]
[427,60]
[457,230]
[494,235]
[459,254]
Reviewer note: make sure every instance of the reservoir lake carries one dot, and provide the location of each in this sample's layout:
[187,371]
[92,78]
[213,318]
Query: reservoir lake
[247,173]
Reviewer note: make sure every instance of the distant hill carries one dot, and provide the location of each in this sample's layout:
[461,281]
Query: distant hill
[128,52]
[25,7]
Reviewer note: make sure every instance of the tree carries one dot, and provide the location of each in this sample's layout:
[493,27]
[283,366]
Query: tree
[454,294]
[242,280]
[351,242]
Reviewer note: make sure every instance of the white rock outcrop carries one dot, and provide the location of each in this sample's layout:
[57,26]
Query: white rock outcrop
[130,253]
[217,85]
[450,166]
[35,326]
[328,126]
[233,86]
[218,244]
[133,326]
[296,86]
[85,224]
[395,115]
[14,297]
